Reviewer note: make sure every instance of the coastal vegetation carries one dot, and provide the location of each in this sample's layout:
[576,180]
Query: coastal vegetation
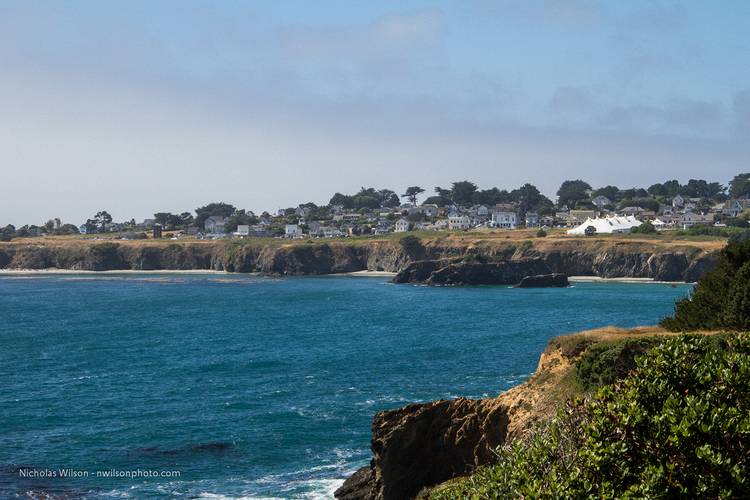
[722,298]
[677,426]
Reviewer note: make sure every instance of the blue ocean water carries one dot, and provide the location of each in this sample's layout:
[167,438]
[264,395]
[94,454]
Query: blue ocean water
[254,387]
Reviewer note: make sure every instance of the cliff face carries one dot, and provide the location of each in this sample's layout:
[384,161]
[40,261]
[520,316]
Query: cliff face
[422,445]
[683,262]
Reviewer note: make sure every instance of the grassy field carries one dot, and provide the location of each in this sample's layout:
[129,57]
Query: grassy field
[465,237]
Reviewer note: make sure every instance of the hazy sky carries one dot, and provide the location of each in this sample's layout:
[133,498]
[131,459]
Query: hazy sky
[144,106]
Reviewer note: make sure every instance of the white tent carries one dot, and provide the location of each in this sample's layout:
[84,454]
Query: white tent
[608,225]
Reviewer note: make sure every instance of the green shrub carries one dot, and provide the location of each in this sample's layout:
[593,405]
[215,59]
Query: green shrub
[645,228]
[541,233]
[607,362]
[677,427]
[721,298]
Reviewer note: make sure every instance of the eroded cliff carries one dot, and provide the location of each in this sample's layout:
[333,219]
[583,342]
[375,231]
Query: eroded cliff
[423,445]
[607,258]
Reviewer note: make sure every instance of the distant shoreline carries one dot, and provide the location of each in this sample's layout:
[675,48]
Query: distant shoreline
[363,274]
[54,270]
[597,279]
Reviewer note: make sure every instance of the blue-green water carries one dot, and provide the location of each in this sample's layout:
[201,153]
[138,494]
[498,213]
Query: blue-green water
[255,387]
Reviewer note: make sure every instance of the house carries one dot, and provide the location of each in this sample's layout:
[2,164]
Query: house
[631,211]
[546,221]
[735,207]
[382,227]
[575,217]
[242,230]
[429,210]
[330,232]
[504,207]
[214,224]
[483,211]
[506,220]
[401,226]
[678,201]
[689,220]
[601,201]
[314,228]
[302,211]
[292,231]
[532,219]
[458,222]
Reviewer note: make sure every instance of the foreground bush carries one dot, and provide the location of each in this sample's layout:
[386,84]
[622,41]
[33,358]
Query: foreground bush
[722,298]
[677,427]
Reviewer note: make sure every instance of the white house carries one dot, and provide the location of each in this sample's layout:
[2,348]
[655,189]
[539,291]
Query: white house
[532,219]
[459,222]
[242,230]
[429,210]
[292,231]
[678,201]
[507,220]
[214,224]
[401,226]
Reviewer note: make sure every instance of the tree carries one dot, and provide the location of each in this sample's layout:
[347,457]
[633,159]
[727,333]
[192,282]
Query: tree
[589,231]
[530,199]
[645,228]
[162,218]
[719,296]
[462,192]
[220,209]
[610,192]
[68,229]
[657,189]
[102,218]
[571,192]
[186,218]
[740,186]
[388,198]
[411,194]
[7,233]
[443,193]
[437,200]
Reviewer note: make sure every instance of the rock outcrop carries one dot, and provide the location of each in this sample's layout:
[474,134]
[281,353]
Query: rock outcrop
[473,271]
[425,444]
[554,280]
[422,445]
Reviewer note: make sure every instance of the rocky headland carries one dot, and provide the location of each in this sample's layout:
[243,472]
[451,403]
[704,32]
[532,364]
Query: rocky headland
[441,259]
[420,446]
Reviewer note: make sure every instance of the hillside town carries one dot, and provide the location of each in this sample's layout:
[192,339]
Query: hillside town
[699,204]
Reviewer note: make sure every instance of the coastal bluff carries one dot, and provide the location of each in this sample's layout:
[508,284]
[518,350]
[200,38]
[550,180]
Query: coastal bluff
[664,260]
[420,446]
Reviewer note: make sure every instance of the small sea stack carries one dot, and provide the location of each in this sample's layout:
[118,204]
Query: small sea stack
[554,280]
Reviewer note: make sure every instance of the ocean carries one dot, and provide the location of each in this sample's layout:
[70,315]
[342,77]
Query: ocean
[232,386]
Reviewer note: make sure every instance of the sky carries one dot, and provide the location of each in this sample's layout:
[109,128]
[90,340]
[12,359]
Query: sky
[139,107]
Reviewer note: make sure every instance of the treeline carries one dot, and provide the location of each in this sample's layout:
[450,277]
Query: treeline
[52,226]
[463,193]
[571,194]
